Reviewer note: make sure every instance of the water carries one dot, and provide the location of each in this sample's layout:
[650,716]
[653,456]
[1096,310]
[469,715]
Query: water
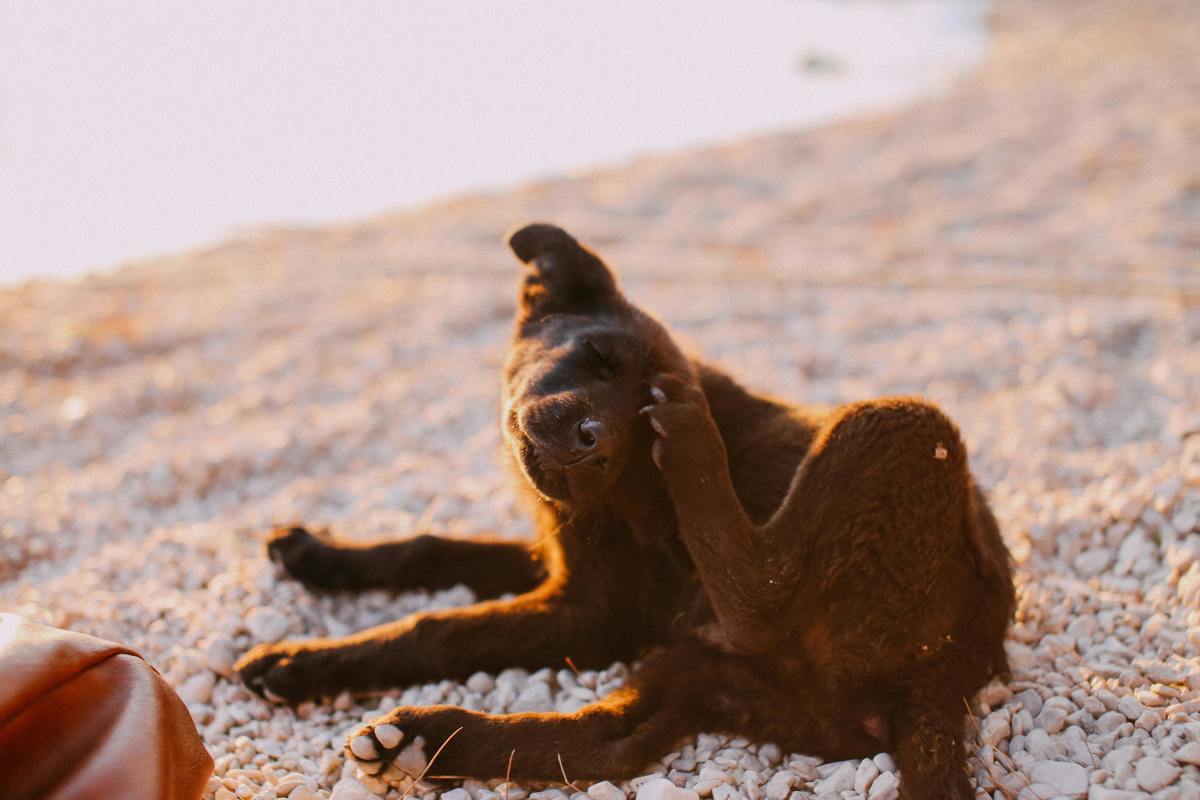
[133,128]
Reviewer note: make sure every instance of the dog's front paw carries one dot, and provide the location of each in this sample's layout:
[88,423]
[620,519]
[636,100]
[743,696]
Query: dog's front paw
[383,752]
[284,672]
[304,555]
[687,441]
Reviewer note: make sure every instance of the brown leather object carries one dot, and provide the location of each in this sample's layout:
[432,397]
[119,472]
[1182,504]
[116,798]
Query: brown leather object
[84,718]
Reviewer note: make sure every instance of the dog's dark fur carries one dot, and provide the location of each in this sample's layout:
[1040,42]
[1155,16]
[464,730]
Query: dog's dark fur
[830,580]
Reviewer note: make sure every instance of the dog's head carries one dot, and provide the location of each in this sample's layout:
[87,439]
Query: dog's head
[577,371]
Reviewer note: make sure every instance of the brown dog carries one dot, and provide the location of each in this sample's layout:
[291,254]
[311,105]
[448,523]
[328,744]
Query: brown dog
[830,581]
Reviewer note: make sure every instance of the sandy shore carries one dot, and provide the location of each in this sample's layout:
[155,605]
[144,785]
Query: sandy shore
[1024,250]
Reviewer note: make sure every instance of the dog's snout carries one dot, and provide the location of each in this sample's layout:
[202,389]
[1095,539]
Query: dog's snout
[591,434]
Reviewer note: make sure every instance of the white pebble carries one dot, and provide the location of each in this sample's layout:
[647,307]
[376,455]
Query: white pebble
[604,790]
[350,789]
[266,624]
[867,772]
[1153,773]
[1065,777]
[841,780]
[663,789]
[885,787]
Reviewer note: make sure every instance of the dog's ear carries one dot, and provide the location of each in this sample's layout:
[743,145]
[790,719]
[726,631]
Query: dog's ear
[562,274]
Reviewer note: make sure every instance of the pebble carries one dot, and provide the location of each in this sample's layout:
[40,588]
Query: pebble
[1098,792]
[779,786]
[1153,773]
[604,790]
[841,780]
[292,781]
[663,789]
[1188,754]
[1063,777]
[885,787]
[865,776]
[266,624]
[350,789]
[220,655]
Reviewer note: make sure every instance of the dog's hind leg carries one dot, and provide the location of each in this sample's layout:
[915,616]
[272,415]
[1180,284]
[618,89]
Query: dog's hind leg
[673,694]
[881,478]
[489,568]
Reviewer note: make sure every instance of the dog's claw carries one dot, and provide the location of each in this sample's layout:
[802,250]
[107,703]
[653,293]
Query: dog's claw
[658,394]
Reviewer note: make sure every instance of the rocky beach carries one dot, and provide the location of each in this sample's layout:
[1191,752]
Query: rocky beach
[1023,249]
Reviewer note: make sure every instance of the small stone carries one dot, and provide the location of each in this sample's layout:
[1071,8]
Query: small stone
[292,781]
[350,789]
[1065,777]
[481,683]
[456,794]
[1052,719]
[779,787]
[198,688]
[1109,721]
[663,789]
[1153,773]
[220,655]
[605,790]
[1188,754]
[841,780]
[995,728]
[1038,791]
[303,793]
[388,735]
[885,787]
[266,624]
[867,772]
[534,697]
[1104,793]
[1090,563]
[1131,707]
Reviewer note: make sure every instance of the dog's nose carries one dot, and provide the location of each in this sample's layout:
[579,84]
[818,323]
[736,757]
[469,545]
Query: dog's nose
[592,434]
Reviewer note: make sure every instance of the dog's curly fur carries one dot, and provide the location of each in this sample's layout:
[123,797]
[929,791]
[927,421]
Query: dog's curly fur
[828,579]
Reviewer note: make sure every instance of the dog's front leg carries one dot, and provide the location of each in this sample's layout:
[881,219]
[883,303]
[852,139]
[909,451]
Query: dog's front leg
[534,630]
[737,565]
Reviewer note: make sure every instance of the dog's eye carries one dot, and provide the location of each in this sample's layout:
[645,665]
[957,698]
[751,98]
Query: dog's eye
[602,362]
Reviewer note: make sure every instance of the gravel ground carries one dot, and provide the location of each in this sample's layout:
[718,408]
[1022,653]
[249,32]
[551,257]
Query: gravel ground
[1022,250]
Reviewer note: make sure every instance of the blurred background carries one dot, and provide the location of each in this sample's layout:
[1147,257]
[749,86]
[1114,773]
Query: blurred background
[160,126]
[251,272]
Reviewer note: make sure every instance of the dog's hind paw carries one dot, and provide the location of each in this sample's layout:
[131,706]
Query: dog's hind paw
[381,754]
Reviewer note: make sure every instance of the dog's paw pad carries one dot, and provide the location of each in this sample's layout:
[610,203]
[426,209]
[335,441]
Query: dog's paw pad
[377,752]
[363,748]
